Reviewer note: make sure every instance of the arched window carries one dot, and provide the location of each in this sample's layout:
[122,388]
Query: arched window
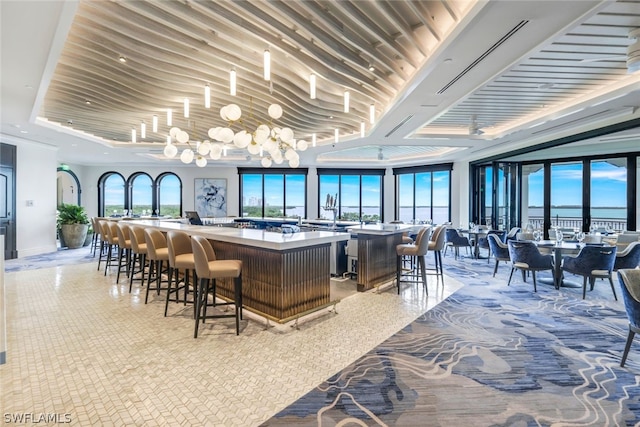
[140,187]
[169,196]
[111,194]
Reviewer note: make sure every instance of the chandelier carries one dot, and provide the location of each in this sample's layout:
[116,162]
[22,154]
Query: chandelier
[272,143]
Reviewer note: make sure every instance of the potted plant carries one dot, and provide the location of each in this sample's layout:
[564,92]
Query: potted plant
[74,224]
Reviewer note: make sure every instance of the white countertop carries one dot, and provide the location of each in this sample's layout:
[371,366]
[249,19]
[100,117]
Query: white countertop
[248,236]
[384,229]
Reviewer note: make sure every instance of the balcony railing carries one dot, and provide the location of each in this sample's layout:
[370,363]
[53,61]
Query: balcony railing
[600,223]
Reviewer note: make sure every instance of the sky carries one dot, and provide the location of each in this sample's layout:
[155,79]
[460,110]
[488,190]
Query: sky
[608,185]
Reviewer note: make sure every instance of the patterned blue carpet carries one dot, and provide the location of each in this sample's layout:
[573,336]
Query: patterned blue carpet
[490,355]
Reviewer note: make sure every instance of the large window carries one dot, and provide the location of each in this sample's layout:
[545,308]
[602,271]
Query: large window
[111,196]
[273,193]
[423,194]
[169,199]
[609,193]
[358,194]
[139,194]
[566,195]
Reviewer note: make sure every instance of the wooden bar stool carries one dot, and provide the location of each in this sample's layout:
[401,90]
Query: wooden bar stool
[180,260]
[158,255]
[139,254]
[208,269]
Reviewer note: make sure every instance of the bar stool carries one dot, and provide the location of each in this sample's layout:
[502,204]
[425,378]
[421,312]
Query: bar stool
[417,251]
[157,254]
[104,243]
[180,259]
[97,236]
[436,245]
[208,269]
[139,254]
[109,232]
[124,252]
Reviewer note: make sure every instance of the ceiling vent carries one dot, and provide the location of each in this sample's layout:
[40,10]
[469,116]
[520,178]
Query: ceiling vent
[486,53]
[398,126]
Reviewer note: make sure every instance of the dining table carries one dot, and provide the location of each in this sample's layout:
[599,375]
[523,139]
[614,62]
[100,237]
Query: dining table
[474,236]
[558,250]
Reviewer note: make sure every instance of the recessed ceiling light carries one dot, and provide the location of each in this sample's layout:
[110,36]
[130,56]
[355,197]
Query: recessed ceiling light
[122,59]
[24,131]
[87,102]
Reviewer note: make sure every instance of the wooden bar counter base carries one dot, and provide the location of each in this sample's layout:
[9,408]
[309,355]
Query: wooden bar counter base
[283,275]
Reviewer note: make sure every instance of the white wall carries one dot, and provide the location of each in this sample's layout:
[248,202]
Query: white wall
[89,175]
[460,194]
[36,182]
[37,177]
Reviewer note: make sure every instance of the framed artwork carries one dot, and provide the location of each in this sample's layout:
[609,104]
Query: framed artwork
[211,197]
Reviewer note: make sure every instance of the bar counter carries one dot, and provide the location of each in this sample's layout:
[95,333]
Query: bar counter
[377,252]
[283,275]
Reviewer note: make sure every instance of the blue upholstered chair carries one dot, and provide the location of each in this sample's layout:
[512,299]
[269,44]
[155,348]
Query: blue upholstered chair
[499,250]
[593,262]
[512,234]
[630,280]
[453,239]
[628,258]
[525,256]
[483,242]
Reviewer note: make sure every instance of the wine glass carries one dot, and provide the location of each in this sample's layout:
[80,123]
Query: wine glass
[537,235]
[559,236]
[580,236]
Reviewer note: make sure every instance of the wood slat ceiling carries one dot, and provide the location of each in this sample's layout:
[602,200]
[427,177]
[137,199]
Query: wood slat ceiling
[174,48]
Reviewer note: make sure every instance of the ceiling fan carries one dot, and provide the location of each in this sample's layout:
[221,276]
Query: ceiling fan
[474,127]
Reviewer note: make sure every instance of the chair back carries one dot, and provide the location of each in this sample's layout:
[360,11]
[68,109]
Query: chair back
[202,253]
[178,243]
[96,226]
[104,229]
[124,239]
[629,258]
[592,258]
[422,241]
[155,240]
[525,252]
[498,249]
[113,233]
[138,244]
[630,280]
[438,238]
[513,233]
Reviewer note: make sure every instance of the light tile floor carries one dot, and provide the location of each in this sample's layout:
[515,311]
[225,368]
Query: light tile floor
[82,347]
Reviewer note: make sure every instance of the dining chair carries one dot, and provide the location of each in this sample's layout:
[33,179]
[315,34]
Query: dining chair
[511,235]
[483,241]
[592,262]
[499,250]
[455,240]
[417,250]
[628,258]
[526,257]
[630,280]
[208,269]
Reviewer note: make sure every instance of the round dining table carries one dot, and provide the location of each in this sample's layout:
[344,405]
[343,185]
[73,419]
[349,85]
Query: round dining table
[570,247]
